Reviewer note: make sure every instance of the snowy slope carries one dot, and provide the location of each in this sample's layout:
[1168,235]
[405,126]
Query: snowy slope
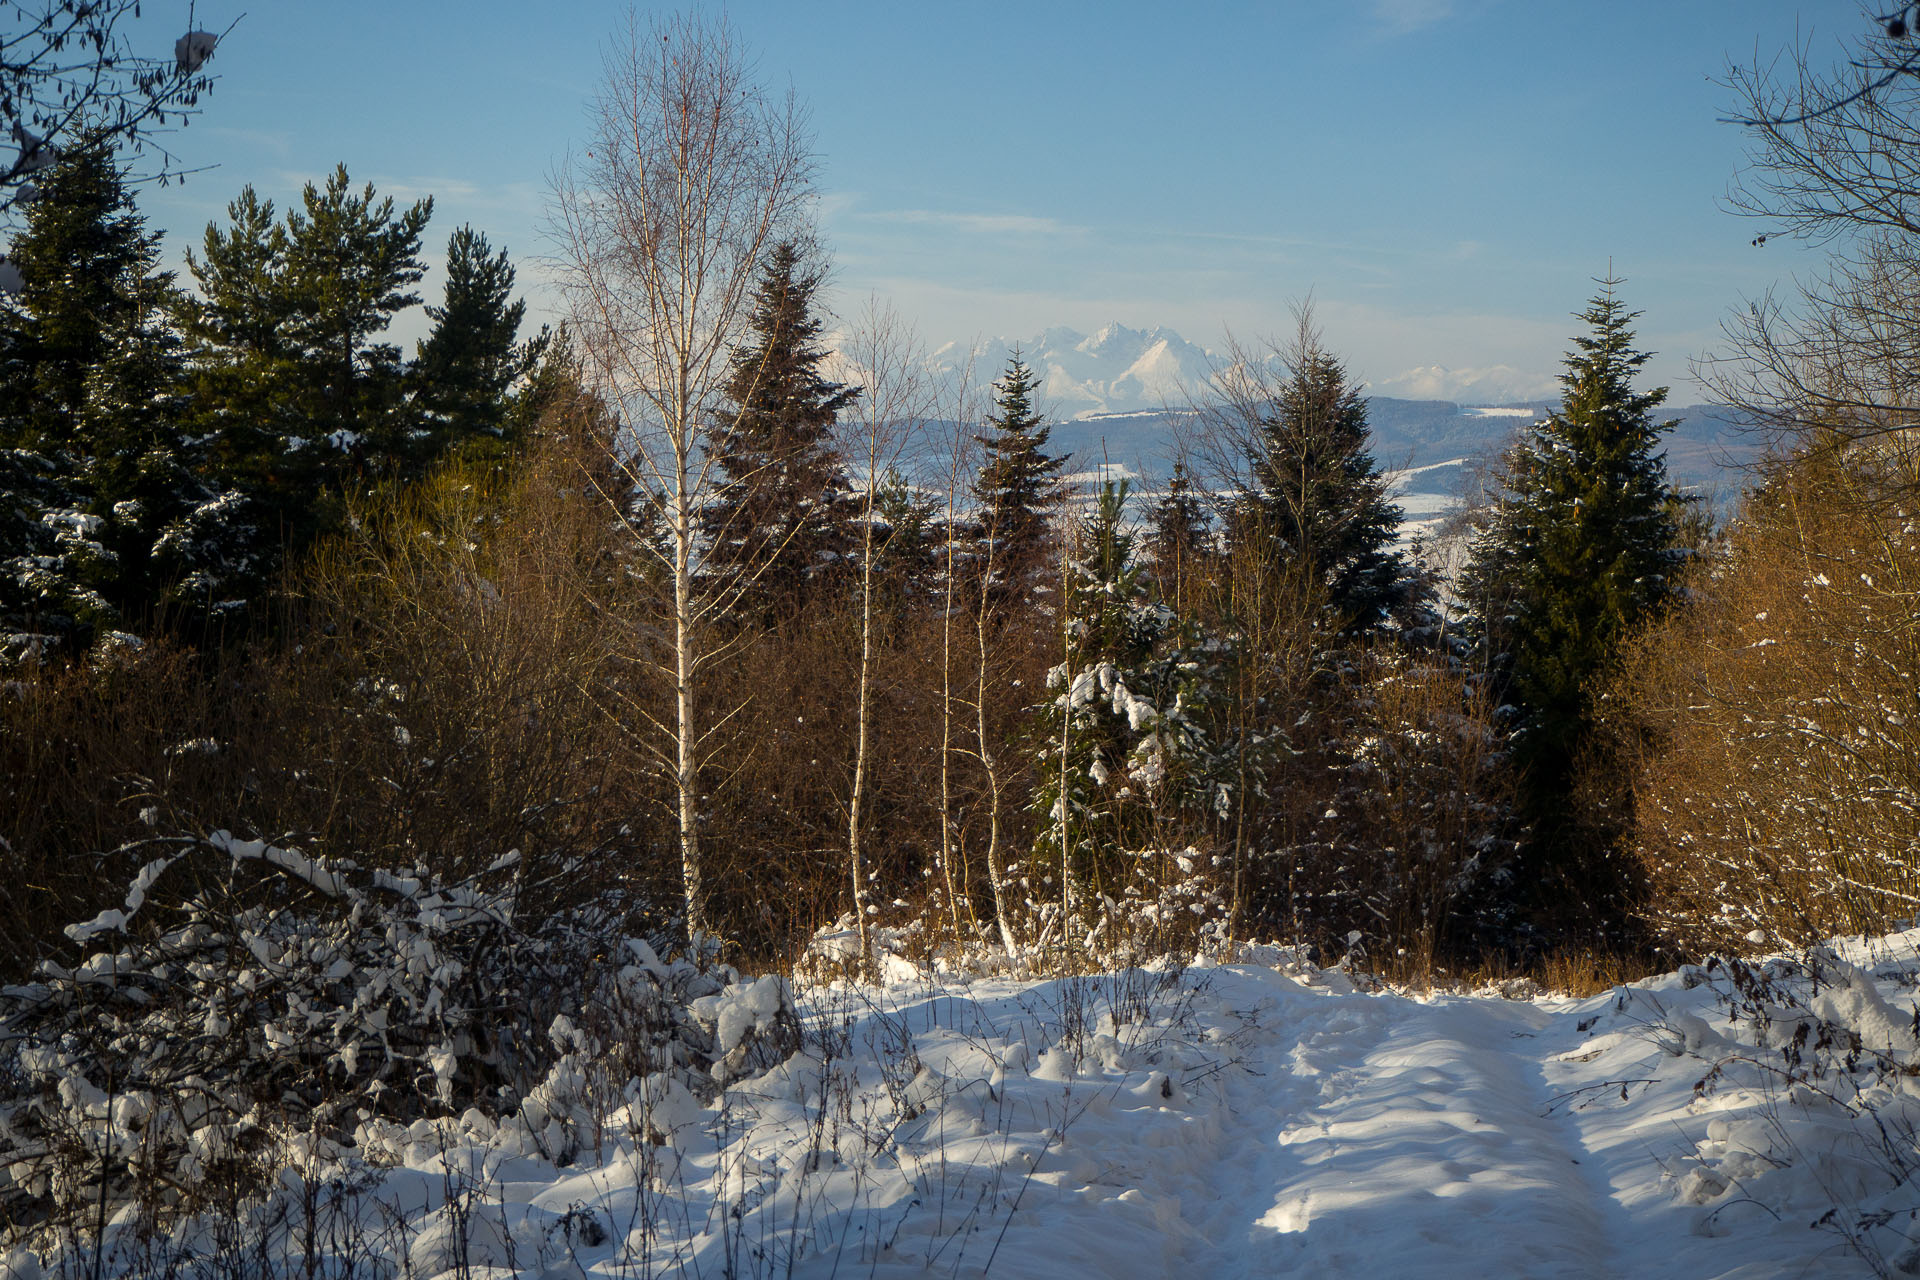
[1247,1120]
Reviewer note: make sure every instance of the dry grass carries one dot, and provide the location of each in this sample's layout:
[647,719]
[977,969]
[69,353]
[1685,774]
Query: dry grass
[1575,972]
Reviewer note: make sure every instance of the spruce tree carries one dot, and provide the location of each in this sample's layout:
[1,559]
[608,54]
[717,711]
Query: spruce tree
[1587,542]
[82,256]
[1018,488]
[469,363]
[907,544]
[1583,548]
[1317,503]
[1179,538]
[100,479]
[781,520]
[139,474]
[1122,760]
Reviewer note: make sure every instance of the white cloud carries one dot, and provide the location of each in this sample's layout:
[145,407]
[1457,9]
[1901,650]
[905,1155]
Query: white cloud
[1493,384]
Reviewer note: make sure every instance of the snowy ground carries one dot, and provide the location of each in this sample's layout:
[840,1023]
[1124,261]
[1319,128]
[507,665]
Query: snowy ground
[1221,1121]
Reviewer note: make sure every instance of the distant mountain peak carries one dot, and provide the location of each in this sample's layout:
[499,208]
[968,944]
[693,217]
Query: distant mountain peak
[1116,369]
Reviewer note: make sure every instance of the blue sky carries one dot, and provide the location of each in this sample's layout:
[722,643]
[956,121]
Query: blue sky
[1445,177]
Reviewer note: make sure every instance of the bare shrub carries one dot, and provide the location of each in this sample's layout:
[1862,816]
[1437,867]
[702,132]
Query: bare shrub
[1776,718]
[426,711]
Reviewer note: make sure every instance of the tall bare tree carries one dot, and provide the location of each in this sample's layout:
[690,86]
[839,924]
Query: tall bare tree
[1835,161]
[959,463]
[691,176]
[878,431]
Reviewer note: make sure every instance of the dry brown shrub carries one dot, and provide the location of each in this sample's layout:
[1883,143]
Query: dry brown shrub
[461,638]
[428,706]
[1570,971]
[1777,718]
[83,752]
[778,785]
[1432,794]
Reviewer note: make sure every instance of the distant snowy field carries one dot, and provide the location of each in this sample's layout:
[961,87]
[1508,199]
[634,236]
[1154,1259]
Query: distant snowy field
[1220,1120]
[1426,496]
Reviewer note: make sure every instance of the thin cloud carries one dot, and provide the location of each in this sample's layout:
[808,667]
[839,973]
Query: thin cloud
[1400,17]
[413,188]
[990,224]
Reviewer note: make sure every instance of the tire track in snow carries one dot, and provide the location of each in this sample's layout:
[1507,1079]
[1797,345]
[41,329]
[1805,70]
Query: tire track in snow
[1388,1133]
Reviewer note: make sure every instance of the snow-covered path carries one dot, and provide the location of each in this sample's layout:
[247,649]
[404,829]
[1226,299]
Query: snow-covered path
[1377,1134]
[1232,1121]
[1400,1130]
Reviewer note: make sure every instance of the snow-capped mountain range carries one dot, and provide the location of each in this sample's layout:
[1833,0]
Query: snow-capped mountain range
[1119,400]
[1122,370]
[1116,370]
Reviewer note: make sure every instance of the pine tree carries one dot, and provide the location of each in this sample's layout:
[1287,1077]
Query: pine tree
[467,366]
[781,520]
[1318,504]
[290,382]
[1583,548]
[1018,488]
[349,265]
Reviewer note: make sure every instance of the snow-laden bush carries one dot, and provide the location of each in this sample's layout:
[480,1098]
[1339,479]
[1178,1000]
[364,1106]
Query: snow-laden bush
[1813,1092]
[243,992]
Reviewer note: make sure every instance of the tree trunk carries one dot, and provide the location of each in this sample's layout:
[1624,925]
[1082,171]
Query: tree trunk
[686,728]
[996,872]
[856,864]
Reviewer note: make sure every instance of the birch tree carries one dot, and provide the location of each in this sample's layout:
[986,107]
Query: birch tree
[885,419]
[692,175]
[959,405]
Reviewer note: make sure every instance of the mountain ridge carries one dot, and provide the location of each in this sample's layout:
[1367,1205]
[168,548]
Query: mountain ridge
[1119,369]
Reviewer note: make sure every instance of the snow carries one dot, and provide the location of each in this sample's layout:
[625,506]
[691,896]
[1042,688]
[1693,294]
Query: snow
[1222,1120]
[289,860]
[1494,384]
[1116,370]
[115,919]
[191,51]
